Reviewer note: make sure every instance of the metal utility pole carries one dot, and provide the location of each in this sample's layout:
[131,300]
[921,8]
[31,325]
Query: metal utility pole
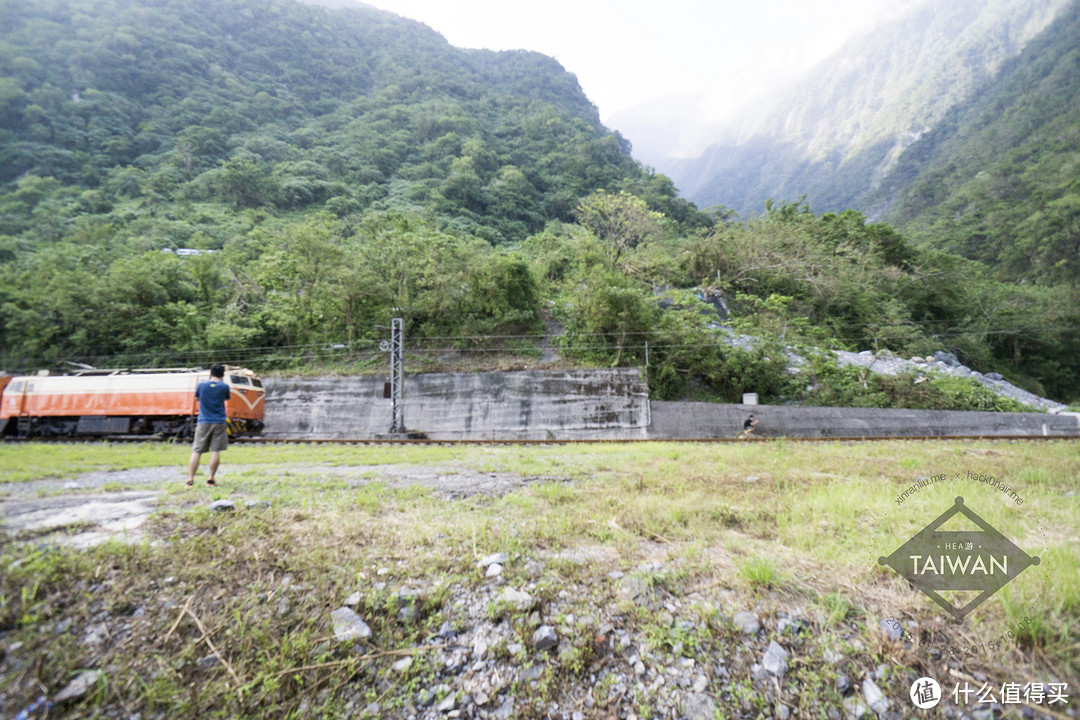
[396,348]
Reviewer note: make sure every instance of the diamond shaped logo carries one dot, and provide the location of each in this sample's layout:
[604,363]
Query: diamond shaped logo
[978,562]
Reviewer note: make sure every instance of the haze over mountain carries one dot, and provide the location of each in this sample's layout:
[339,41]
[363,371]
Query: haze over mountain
[840,129]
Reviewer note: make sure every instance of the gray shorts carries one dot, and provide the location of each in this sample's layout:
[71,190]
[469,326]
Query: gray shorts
[210,436]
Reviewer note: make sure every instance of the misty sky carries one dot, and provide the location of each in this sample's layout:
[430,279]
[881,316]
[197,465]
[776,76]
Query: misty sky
[625,52]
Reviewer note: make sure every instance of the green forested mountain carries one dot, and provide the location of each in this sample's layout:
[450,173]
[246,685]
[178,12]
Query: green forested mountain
[999,178]
[321,171]
[266,103]
[834,133]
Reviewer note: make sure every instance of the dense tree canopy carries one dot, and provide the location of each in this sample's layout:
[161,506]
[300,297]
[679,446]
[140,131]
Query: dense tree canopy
[266,182]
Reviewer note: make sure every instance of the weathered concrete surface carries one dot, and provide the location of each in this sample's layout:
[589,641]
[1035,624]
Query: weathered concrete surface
[94,518]
[709,420]
[533,404]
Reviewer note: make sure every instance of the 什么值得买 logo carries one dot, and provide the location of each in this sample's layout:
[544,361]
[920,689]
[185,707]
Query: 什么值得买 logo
[981,561]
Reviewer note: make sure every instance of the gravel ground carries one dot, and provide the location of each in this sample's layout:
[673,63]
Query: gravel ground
[84,518]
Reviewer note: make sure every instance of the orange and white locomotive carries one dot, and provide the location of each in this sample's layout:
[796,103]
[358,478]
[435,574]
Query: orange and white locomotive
[123,402]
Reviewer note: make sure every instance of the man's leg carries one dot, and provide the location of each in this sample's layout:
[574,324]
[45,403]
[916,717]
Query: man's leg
[215,460]
[192,466]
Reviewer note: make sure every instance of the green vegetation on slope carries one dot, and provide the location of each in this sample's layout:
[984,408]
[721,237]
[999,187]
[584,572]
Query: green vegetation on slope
[336,169]
[999,179]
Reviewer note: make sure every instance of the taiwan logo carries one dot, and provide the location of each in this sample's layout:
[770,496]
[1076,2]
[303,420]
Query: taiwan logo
[970,565]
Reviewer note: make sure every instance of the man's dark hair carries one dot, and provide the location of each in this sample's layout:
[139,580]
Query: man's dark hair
[217,370]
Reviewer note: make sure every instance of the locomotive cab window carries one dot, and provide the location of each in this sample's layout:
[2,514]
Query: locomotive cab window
[16,387]
[256,382]
[239,380]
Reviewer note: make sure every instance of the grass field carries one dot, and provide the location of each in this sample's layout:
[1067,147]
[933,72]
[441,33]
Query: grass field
[787,531]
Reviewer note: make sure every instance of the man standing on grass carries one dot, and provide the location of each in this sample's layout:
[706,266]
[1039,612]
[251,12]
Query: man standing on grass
[210,432]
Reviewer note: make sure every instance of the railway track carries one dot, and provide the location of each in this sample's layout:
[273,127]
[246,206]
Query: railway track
[546,441]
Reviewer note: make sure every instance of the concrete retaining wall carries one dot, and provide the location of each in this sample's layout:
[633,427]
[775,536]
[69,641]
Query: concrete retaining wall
[600,404]
[536,404]
[709,420]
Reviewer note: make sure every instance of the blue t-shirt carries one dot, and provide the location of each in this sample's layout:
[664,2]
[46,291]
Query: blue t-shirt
[212,395]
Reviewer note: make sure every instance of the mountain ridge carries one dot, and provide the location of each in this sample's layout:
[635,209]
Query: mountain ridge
[855,112]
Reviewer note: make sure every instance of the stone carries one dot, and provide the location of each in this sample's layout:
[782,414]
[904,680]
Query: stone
[257,504]
[746,622]
[892,628]
[874,697]
[993,376]
[372,709]
[504,711]
[353,600]
[534,672]
[698,706]
[946,357]
[494,570]
[207,662]
[480,698]
[402,665]
[545,638]
[775,659]
[496,559]
[348,625]
[843,684]
[854,708]
[782,712]
[78,687]
[517,599]
[832,657]
[223,506]
[447,704]
[634,588]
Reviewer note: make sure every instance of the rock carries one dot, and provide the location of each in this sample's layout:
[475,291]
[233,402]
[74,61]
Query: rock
[480,698]
[783,712]
[504,711]
[874,697]
[517,599]
[946,357]
[206,662]
[447,704]
[892,628]
[775,659]
[402,665]
[372,709]
[746,622]
[72,486]
[353,600]
[700,683]
[843,684]
[993,376]
[496,559]
[545,638]
[854,708]
[348,625]
[698,706]
[635,588]
[494,570]
[78,687]
[534,672]
[257,504]
[223,506]
[832,657]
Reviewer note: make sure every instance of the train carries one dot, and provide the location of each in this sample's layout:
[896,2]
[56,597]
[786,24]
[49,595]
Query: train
[151,402]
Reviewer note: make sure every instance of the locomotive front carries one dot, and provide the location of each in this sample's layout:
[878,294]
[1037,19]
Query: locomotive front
[123,402]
